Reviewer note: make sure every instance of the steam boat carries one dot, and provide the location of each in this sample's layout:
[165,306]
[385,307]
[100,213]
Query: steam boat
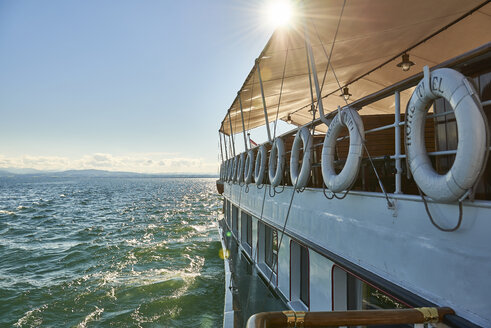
[355,175]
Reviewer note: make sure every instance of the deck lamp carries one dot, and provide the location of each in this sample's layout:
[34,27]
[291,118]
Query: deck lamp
[345,93]
[405,63]
[289,119]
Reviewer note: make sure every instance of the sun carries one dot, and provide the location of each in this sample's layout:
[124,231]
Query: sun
[279,13]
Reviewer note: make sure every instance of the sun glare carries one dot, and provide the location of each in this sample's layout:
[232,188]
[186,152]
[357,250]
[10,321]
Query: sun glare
[279,13]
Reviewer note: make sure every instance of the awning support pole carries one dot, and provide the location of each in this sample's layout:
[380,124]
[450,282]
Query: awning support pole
[397,128]
[231,133]
[314,73]
[242,117]
[221,146]
[225,144]
[264,100]
[230,148]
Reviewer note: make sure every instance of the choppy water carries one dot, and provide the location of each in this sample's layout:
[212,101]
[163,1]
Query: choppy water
[109,252]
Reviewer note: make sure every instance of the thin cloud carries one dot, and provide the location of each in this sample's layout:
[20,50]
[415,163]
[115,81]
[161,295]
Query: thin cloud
[141,163]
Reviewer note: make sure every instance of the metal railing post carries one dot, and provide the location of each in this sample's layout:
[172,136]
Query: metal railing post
[225,144]
[264,100]
[397,128]
[231,133]
[242,117]
[221,147]
[230,147]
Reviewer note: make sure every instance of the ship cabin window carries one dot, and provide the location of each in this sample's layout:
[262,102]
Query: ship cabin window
[299,277]
[351,293]
[227,212]
[271,247]
[246,231]
[235,219]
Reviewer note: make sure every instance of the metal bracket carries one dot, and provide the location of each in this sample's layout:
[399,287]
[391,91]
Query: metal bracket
[429,314]
[300,319]
[392,206]
[290,318]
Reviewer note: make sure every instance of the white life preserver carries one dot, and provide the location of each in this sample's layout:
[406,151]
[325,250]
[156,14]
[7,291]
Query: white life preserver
[276,162]
[300,179]
[249,167]
[472,140]
[260,165]
[240,169]
[338,182]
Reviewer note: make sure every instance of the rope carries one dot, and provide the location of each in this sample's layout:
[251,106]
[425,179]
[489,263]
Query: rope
[291,199]
[332,46]
[277,112]
[389,203]
[333,193]
[281,93]
[275,264]
[459,222]
[257,243]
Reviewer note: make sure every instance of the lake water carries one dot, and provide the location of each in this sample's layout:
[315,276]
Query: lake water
[110,252]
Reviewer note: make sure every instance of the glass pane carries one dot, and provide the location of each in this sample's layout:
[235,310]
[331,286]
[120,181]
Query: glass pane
[249,230]
[304,275]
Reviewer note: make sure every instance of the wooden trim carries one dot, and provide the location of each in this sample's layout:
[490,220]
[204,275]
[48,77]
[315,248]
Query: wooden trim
[350,318]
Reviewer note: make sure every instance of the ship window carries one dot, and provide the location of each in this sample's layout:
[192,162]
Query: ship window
[304,275]
[227,213]
[246,229]
[351,293]
[299,277]
[235,219]
[271,247]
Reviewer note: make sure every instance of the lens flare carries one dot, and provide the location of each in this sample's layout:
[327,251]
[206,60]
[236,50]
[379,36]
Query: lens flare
[224,254]
[279,13]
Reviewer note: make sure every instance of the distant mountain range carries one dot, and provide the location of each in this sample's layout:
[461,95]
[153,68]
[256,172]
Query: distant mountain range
[12,172]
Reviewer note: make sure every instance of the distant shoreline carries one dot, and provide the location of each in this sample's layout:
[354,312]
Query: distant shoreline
[6,173]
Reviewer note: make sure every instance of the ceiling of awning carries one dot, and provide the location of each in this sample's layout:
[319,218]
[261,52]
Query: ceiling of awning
[370,33]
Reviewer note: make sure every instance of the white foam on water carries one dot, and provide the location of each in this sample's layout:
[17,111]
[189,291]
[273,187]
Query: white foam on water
[93,316]
[31,318]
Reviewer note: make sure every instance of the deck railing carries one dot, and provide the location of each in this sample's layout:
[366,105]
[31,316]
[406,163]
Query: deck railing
[460,62]
[417,316]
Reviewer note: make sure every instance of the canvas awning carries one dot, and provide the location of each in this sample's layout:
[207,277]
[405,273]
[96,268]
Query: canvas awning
[371,33]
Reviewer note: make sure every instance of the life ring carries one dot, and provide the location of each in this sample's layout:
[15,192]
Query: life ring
[472,139]
[276,162]
[300,179]
[249,167]
[240,169]
[338,182]
[260,165]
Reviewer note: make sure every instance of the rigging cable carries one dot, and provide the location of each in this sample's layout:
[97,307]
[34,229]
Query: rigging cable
[459,222]
[389,203]
[281,93]
[276,118]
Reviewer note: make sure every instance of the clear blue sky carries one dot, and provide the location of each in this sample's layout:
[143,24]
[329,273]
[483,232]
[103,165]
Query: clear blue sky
[122,85]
